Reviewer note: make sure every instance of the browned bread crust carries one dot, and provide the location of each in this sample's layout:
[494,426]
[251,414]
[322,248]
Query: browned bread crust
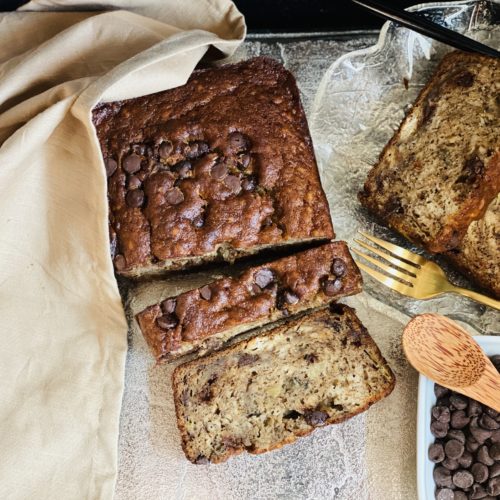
[263,393]
[441,169]
[203,319]
[220,167]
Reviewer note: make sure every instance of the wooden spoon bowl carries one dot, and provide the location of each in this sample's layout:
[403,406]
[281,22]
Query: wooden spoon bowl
[444,352]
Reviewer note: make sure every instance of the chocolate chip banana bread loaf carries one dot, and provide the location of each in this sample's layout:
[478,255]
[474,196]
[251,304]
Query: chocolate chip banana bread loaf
[263,393]
[220,167]
[441,170]
[204,318]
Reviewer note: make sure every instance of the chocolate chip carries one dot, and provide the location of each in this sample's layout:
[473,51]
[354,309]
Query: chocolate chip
[244,161]
[450,464]
[486,422]
[472,169]
[168,306]
[474,408]
[495,436]
[111,166]
[338,267]
[483,456]
[199,221]
[167,321]
[456,434]
[195,149]
[332,287]
[491,412]
[480,472]
[459,402]
[183,168]
[135,198]
[442,477]
[441,413]
[247,359]
[445,494]
[238,142]
[233,183]
[185,397]
[133,182]
[201,460]
[315,417]
[459,495]
[478,433]
[439,429]
[264,277]
[131,163]
[285,297]
[454,449]
[495,451]
[174,196]
[494,470]
[436,452]
[440,391]
[463,479]
[206,292]
[465,460]
[494,486]
[120,262]
[165,149]
[465,79]
[311,358]
[249,183]
[477,492]
[471,445]
[219,171]
[458,419]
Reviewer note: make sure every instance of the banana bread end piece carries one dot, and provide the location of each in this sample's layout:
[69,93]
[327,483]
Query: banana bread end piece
[263,393]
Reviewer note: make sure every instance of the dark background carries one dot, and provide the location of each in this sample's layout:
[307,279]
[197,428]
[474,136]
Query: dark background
[294,15]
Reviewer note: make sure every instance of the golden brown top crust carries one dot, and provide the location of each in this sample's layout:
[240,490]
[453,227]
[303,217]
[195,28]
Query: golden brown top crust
[224,160]
[441,169]
[307,279]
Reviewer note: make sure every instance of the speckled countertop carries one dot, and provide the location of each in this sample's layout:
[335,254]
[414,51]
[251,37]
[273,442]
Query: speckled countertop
[371,456]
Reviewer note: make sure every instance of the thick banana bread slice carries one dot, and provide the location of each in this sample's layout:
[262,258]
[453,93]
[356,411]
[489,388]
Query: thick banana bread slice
[478,255]
[204,318]
[262,393]
[441,169]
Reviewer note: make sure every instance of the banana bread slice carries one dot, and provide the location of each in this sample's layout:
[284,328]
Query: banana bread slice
[204,318]
[441,169]
[478,255]
[219,168]
[262,393]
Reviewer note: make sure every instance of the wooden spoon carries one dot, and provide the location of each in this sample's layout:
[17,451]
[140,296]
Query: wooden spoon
[444,352]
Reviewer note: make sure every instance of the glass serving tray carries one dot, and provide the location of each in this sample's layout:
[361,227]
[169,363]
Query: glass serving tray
[359,104]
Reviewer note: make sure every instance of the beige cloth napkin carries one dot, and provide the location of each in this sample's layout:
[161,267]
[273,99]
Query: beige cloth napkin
[63,334]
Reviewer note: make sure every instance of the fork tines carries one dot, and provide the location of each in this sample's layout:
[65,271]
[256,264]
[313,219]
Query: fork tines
[403,263]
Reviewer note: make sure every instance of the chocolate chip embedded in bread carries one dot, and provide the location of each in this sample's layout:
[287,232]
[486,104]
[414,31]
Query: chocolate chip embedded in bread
[206,292]
[219,171]
[111,166]
[247,359]
[135,198]
[174,196]
[165,149]
[332,287]
[195,149]
[167,321]
[183,169]
[464,79]
[339,267]
[201,460]
[285,297]
[133,182]
[264,277]
[238,142]
[199,221]
[244,161]
[233,183]
[315,417]
[120,262]
[168,306]
[249,183]
[311,358]
[131,163]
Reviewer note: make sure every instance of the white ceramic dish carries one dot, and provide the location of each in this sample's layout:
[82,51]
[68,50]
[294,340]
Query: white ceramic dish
[426,400]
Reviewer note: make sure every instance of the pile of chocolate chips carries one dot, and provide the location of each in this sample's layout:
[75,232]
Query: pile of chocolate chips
[467,447]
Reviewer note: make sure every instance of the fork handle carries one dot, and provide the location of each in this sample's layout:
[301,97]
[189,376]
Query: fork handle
[478,297]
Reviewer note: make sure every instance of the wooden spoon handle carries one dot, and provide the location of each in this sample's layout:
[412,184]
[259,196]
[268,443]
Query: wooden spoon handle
[487,388]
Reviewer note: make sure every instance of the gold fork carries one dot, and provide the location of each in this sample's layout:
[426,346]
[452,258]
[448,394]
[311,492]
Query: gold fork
[416,276]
